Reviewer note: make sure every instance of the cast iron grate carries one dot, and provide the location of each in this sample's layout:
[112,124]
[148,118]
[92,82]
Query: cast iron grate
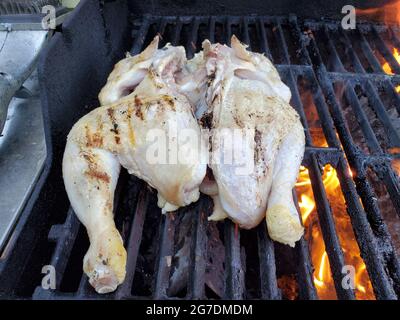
[322,54]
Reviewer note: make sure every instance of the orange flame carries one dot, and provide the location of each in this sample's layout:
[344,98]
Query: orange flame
[323,272]
[323,280]
[306,205]
[396,165]
[388,70]
[389,13]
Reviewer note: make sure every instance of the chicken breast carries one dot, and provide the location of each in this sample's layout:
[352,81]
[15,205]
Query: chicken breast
[257,141]
[137,127]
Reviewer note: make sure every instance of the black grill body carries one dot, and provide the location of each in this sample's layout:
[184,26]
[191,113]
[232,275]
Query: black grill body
[74,67]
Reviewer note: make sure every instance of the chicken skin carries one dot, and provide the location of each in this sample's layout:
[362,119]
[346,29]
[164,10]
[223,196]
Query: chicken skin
[141,106]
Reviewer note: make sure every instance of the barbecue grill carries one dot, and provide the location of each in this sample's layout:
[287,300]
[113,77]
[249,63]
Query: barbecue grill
[181,255]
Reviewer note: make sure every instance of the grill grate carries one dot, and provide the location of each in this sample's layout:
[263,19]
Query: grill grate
[307,50]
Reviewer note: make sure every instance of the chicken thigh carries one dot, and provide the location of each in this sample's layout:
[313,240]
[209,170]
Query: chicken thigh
[257,141]
[137,127]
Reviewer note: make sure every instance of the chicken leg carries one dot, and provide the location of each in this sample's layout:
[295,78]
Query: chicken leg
[283,221]
[92,195]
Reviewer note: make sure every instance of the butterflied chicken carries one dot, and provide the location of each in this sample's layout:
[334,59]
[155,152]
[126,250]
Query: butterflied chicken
[247,108]
[140,106]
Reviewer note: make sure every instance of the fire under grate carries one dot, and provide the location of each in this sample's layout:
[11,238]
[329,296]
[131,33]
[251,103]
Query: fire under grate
[183,256]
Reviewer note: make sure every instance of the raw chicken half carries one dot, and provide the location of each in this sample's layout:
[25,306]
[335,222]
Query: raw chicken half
[141,115]
[246,95]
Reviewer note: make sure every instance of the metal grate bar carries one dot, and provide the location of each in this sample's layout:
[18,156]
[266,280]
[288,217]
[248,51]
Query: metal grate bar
[393,36]
[282,42]
[84,287]
[228,31]
[65,243]
[133,244]
[338,65]
[140,37]
[327,224]
[64,235]
[266,253]
[369,248]
[362,119]
[324,116]
[177,32]
[161,28]
[386,52]
[211,35]
[392,186]
[380,111]
[304,56]
[191,44]
[245,38]
[396,97]
[307,289]
[373,61]
[380,230]
[245,32]
[354,58]
[263,36]
[196,289]
[234,274]
[165,256]
[305,278]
